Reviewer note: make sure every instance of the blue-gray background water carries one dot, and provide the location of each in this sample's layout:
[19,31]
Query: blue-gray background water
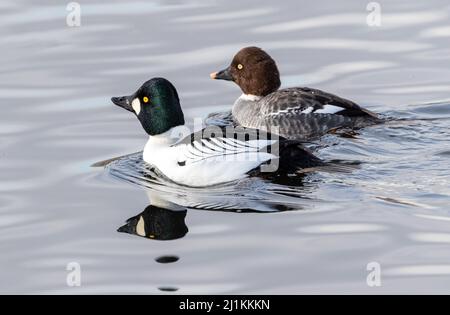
[57,120]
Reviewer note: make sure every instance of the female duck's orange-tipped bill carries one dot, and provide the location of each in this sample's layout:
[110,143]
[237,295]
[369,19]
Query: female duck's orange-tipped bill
[124,102]
[222,75]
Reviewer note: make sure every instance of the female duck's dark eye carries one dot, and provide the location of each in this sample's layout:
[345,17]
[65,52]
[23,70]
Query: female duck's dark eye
[145,99]
[240,66]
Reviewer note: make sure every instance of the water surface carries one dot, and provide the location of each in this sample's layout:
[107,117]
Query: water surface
[312,236]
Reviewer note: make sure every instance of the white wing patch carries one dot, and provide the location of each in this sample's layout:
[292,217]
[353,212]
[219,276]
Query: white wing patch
[222,149]
[308,110]
[329,109]
[291,110]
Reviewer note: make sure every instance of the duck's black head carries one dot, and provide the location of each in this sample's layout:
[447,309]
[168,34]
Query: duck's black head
[156,105]
[253,70]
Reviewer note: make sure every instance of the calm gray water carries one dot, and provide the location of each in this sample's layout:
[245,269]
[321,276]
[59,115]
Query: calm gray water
[57,120]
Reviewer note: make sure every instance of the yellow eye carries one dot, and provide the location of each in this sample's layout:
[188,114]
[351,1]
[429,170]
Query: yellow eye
[239,66]
[145,99]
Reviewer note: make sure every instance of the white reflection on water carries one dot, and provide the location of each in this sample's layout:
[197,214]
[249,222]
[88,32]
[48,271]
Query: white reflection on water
[390,21]
[330,72]
[342,228]
[433,217]
[41,13]
[436,32]
[225,16]
[427,270]
[431,237]
[379,46]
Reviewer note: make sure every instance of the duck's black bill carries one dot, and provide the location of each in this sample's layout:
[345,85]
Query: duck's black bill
[124,102]
[222,75]
[130,227]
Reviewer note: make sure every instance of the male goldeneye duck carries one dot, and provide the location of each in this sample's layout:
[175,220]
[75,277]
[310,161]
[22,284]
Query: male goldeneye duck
[213,155]
[299,112]
[157,223]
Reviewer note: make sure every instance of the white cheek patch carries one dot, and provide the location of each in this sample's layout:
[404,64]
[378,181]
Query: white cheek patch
[136,104]
[140,227]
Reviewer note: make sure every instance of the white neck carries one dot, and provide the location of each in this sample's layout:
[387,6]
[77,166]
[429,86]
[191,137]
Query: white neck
[162,152]
[169,137]
[250,97]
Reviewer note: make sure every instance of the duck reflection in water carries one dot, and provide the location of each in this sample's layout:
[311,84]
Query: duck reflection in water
[159,221]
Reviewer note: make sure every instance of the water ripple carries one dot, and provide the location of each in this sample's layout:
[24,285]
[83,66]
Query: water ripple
[252,194]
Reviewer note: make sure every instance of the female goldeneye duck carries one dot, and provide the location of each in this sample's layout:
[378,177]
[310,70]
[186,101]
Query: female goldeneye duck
[299,112]
[213,155]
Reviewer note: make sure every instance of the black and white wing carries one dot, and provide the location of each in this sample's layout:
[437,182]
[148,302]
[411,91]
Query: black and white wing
[303,100]
[304,113]
[212,156]
[226,143]
[248,149]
